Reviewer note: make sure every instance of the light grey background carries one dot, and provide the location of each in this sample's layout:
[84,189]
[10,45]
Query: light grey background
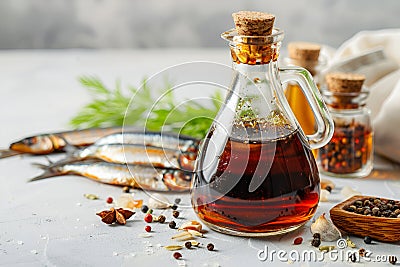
[178,23]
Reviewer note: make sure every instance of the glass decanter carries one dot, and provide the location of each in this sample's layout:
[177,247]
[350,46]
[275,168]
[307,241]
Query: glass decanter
[255,174]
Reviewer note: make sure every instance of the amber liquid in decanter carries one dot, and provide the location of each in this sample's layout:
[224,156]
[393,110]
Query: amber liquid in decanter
[276,187]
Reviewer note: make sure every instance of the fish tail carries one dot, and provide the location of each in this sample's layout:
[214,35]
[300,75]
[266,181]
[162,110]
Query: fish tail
[5,153]
[48,173]
[52,169]
[62,162]
[40,165]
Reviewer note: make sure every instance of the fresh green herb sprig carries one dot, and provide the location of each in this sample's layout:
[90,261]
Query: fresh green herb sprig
[112,107]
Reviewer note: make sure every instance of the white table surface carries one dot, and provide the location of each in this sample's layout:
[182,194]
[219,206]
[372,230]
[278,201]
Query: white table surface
[50,223]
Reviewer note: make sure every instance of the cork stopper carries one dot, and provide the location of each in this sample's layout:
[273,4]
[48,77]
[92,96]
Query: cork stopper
[304,51]
[253,23]
[345,82]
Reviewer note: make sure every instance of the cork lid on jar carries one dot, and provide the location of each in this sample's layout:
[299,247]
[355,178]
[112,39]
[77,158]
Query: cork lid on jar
[253,23]
[345,90]
[304,51]
[342,82]
[304,54]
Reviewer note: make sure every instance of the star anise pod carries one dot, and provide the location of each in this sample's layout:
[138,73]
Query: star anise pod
[115,215]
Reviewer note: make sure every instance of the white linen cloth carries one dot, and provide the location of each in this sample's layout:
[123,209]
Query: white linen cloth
[384,85]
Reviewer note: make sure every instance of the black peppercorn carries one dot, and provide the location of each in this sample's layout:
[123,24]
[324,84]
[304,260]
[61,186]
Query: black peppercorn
[188,244]
[177,200]
[145,208]
[383,208]
[210,246]
[175,213]
[367,240]
[172,225]
[358,203]
[351,208]
[161,219]
[367,211]
[174,207]
[316,242]
[317,236]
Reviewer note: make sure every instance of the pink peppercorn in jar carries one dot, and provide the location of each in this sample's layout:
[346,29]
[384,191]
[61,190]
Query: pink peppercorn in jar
[350,151]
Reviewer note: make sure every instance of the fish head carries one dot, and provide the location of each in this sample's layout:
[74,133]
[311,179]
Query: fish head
[41,144]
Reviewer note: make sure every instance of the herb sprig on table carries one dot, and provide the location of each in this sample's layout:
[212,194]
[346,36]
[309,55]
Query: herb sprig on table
[109,107]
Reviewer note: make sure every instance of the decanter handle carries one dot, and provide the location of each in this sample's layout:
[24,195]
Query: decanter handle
[325,126]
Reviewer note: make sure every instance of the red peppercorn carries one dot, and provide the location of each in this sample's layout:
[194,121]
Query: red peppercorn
[298,240]
[177,255]
[147,228]
[109,200]
[148,218]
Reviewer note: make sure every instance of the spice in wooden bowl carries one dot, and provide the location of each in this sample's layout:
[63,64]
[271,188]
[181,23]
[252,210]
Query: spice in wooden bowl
[369,216]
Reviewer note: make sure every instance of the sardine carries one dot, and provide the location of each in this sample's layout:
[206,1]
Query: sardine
[139,176]
[148,138]
[47,143]
[137,154]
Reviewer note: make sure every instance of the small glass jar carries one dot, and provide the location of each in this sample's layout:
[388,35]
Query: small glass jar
[350,151]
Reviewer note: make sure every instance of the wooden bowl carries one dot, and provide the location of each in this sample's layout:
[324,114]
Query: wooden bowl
[379,228]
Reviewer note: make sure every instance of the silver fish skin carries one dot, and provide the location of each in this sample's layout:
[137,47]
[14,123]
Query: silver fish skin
[138,154]
[42,144]
[157,139]
[139,176]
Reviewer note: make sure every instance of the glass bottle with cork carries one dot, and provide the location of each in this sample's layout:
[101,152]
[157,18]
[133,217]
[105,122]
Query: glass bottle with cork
[350,151]
[306,55]
[255,174]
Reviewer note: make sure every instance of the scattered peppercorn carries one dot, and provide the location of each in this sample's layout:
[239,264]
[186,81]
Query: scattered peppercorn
[298,240]
[317,235]
[161,219]
[367,240]
[188,244]
[175,213]
[147,228]
[177,255]
[210,246]
[353,257]
[328,188]
[172,225]
[109,200]
[145,208]
[316,242]
[177,200]
[150,211]
[392,260]
[126,189]
[174,207]
[148,218]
